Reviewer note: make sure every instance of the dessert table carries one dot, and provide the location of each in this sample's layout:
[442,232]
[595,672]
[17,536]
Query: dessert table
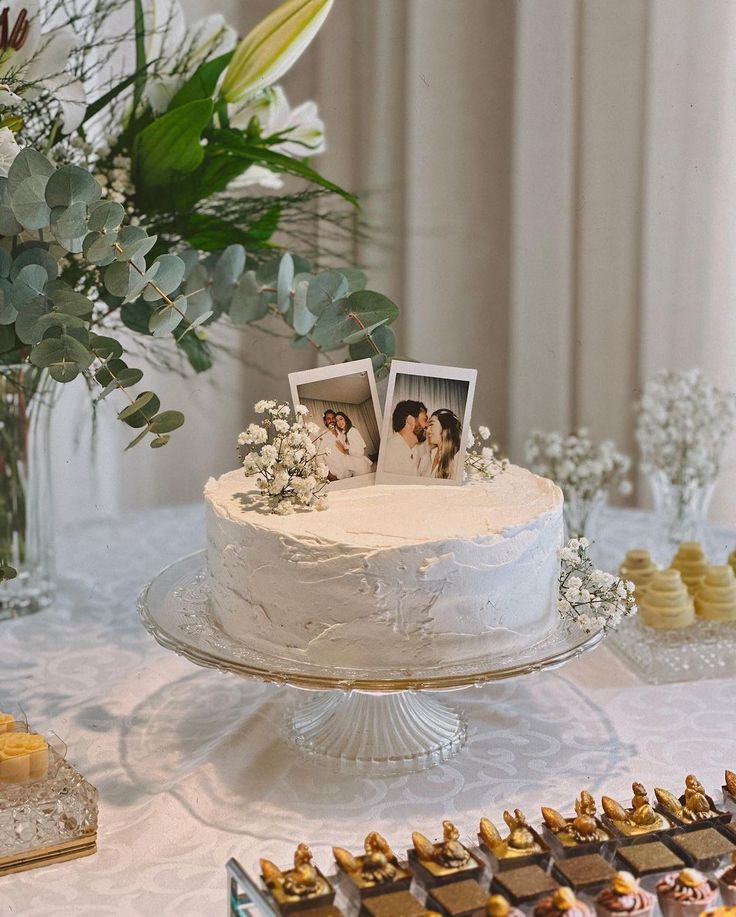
[191,766]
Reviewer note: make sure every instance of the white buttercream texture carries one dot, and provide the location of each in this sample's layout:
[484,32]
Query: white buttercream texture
[388,576]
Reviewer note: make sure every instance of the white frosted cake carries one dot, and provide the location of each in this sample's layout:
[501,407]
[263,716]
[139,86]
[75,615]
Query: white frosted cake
[389,576]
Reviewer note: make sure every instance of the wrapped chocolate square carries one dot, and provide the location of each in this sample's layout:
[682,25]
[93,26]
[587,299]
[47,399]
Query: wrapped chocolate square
[300,887]
[579,833]
[521,845]
[640,818]
[525,884]
[706,848]
[446,861]
[692,808]
[648,858]
[374,872]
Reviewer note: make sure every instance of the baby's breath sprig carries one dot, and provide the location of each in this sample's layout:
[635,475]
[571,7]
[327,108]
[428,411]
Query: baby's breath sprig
[283,456]
[589,597]
[481,456]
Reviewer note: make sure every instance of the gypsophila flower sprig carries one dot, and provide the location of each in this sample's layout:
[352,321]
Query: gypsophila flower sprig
[581,467]
[589,597]
[284,457]
[683,425]
[481,456]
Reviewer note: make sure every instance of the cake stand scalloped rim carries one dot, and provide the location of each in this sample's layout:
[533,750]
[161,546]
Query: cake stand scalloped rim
[173,608]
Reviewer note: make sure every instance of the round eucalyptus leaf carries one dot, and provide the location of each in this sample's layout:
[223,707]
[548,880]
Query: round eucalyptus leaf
[8,312]
[140,417]
[70,223]
[30,285]
[196,289]
[134,242]
[228,270]
[247,305]
[67,300]
[63,356]
[140,282]
[6,263]
[71,185]
[105,216]
[166,422]
[190,257]
[362,333]
[167,318]
[26,325]
[128,377]
[137,439]
[64,372]
[356,278]
[267,272]
[160,441]
[98,248]
[106,374]
[383,337]
[105,348]
[118,278]
[29,203]
[332,326]
[9,226]
[285,280]
[169,276]
[324,289]
[140,402]
[200,319]
[372,307]
[29,163]
[303,320]
[59,320]
[35,255]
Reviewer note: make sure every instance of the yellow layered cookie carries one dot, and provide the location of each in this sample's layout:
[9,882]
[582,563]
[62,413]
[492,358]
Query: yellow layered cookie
[666,604]
[692,563]
[715,599]
[24,756]
[638,567]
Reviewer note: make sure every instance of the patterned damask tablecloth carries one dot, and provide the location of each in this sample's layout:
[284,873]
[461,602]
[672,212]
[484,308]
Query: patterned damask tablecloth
[191,767]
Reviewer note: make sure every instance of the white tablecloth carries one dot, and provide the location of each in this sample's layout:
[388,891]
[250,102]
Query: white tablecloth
[191,767]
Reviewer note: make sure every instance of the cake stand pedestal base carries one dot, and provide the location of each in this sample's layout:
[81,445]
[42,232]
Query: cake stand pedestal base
[377,734]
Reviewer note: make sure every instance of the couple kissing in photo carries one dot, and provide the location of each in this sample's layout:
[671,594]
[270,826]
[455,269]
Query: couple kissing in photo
[343,447]
[423,445]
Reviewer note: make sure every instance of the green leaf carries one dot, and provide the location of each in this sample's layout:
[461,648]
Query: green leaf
[134,242]
[167,318]
[105,216]
[26,325]
[8,312]
[140,54]
[9,226]
[283,285]
[197,352]
[58,320]
[128,377]
[140,417]
[362,333]
[136,315]
[71,185]
[6,263]
[228,271]
[67,300]
[167,421]
[29,203]
[120,278]
[64,357]
[325,288]
[27,164]
[203,82]
[356,278]
[247,304]
[138,439]
[31,279]
[70,224]
[106,374]
[169,275]
[105,348]
[98,248]
[384,338]
[160,441]
[172,143]
[303,320]
[344,317]
[140,402]
[35,254]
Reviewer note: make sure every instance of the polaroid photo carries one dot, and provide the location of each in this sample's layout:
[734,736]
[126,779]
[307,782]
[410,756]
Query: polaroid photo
[343,401]
[426,424]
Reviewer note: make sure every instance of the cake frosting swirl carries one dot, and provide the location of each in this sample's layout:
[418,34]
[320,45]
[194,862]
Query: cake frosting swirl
[624,896]
[388,576]
[688,887]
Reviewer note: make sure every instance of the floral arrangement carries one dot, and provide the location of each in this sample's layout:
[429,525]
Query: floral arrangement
[284,458]
[579,466]
[683,425]
[588,597]
[481,456]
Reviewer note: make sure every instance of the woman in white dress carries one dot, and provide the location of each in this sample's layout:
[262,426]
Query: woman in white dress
[444,431]
[351,444]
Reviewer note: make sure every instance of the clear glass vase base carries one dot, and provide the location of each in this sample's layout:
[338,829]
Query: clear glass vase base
[380,735]
[24,595]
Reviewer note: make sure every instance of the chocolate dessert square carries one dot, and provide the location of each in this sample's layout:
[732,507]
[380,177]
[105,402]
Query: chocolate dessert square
[705,848]
[398,904]
[460,899]
[328,910]
[584,872]
[431,874]
[648,858]
[523,884]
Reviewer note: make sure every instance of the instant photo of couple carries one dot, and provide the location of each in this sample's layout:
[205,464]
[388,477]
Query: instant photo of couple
[420,440]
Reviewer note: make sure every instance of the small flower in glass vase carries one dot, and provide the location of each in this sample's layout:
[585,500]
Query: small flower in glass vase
[684,423]
[284,458]
[481,456]
[583,469]
[589,597]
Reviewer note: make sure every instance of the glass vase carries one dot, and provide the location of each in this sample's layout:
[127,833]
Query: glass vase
[26,506]
[680,513]
[581,514]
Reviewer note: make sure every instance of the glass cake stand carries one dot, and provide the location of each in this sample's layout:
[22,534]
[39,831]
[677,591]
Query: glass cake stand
[376,721]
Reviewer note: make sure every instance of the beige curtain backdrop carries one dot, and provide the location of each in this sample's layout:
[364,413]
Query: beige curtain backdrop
[551,197]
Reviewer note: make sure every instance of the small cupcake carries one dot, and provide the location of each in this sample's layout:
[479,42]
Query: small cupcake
[624,896]
[562,903]
[686,893]
[727,883]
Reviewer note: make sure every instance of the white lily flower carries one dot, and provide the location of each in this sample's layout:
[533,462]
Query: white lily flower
[270,49]
[168,38]
[9,149]
[39,59]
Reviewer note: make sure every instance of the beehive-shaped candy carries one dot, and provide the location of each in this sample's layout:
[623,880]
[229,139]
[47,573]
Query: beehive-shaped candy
[639,568]
[666,604]
[692,563]
[715,599]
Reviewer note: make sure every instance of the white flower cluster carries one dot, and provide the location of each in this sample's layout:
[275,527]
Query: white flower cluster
[283,455]
[590,597]
[579,466]
[684,424]
[117,180]
[481,456]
